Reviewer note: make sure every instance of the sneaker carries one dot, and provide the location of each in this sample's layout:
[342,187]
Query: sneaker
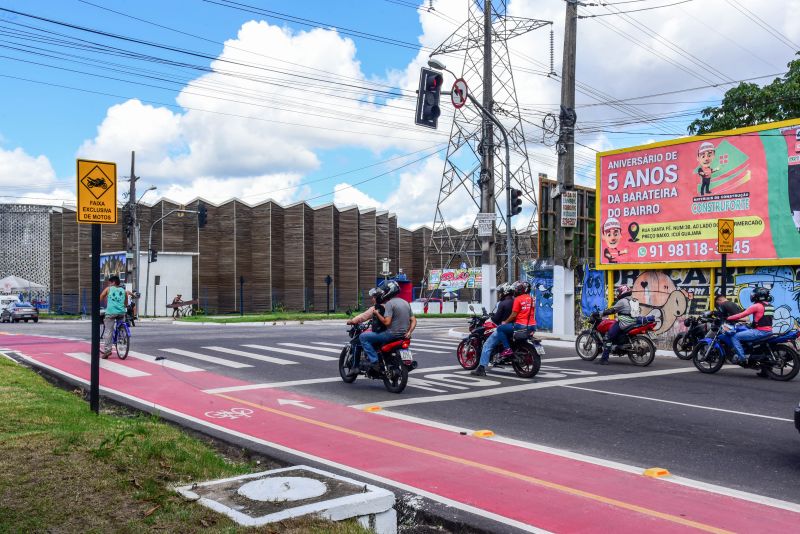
[105,355]
[506,353]
[479,371]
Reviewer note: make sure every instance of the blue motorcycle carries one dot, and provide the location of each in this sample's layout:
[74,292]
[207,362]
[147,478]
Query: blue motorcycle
[771,355]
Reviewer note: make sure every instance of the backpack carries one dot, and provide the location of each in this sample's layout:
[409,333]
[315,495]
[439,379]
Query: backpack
[635,309]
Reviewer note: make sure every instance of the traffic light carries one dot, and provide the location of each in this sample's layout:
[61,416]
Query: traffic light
[153,255]
[430,87]
[202,215]
[516,202]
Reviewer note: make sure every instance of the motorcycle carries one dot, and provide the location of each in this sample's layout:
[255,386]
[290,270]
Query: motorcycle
[696,329]
[634,341]
[771,355]
[528,349]
[394,360]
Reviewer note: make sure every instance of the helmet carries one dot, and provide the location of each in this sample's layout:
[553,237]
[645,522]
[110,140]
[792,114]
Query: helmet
[377,293]
[521,287]
[503,290]
[706,147]
[622,291]
[760,294]
[389,289]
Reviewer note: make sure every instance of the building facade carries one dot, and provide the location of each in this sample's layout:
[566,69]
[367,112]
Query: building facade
[25,242]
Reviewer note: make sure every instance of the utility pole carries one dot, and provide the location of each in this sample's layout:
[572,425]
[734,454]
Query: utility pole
[134,222]
[488,253]
[563,278]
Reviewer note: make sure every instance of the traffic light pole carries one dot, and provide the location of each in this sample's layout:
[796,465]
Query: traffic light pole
[509,240]
[149,252]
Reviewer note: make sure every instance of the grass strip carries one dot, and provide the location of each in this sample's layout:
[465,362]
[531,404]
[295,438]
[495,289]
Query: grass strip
[65,469]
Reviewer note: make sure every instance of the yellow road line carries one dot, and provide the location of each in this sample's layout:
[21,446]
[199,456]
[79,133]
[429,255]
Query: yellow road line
[491,469]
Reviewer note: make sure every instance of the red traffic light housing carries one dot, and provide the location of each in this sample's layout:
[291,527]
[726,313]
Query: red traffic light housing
[516,202]
[430,88]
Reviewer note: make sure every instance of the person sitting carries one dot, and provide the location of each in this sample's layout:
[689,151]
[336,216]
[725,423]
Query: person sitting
[397,317]
[762,312]
[522,316]
[626,308]
[116,299]
[505,303]
[368,315]
[725,307]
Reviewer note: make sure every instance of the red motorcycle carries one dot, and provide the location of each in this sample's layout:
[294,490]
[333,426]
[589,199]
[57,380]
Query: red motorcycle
[394,361]
[634,341]
[528,350]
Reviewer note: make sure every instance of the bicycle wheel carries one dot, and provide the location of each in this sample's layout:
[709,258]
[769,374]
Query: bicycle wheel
[123,342]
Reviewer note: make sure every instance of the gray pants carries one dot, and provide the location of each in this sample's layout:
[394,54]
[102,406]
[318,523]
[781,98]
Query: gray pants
[108,322]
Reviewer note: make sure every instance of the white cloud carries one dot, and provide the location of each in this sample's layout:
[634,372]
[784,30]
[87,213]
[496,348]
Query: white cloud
[29,179]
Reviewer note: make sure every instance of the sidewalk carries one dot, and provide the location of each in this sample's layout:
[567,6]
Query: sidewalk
[515,484]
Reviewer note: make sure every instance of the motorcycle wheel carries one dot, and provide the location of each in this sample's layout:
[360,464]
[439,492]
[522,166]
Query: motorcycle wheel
[395,378]
[346,365]
[788,364]
[469,353]
[710,362]
[526,361]
[587,346]
[681,347]
[643,351]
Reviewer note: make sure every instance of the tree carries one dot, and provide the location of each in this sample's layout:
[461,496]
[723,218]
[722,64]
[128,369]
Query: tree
[748,104]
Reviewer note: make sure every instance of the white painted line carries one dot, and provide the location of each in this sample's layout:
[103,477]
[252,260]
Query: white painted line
[439,344]
[254,356]
[415,348]
[206,358]
[109,366]
[436,369]
[294,353]
[182,367]
[271,385]
[524,387]
[767,501]
[340,345]
[307,347]
[682,404]
[635,470]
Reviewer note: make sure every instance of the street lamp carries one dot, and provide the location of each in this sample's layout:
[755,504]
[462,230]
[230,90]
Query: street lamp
[137,243]
[438,65]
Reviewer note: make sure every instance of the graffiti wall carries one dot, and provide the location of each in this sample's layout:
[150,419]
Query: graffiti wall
[540,275]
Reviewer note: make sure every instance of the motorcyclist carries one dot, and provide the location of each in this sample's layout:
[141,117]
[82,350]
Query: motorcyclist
[505,302]
[725,307]
[522,316]
[368,315]
[762,311]
[397,317]
[626,308]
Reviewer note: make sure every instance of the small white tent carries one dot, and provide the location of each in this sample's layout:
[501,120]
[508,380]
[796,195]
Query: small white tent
[15,284]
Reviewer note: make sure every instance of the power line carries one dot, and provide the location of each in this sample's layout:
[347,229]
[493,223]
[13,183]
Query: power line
[632,10]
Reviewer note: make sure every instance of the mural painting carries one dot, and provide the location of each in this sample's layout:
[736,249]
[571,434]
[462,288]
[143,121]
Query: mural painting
[540,275]
[591,290]
[784,285]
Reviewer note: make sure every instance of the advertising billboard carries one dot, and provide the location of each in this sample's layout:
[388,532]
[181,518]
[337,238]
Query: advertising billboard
[660,204]
[450,280]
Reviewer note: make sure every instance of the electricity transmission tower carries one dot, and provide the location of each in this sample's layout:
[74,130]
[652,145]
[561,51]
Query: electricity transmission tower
[475,154]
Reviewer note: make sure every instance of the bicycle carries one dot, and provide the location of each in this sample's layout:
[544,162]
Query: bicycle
[121,336]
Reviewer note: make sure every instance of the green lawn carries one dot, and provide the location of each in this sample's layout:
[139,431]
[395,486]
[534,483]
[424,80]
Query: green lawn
[65,469]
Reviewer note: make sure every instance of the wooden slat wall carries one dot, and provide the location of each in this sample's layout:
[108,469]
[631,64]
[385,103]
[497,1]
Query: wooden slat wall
[421,238]
[348,280]
[382,241]
[56,261]
[406,255]
[227,282]
[367,271]
[259,281]
[308,247]
[294,260]
[277,243]
[394,246]
[244,264]
[211,248]
[324,246]
[336,273]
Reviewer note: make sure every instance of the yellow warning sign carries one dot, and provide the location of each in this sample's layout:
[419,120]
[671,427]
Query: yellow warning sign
[725,236]
[97,192]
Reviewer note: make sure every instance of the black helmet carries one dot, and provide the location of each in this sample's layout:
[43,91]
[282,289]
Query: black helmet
[389,289]
[521,287]
[503,290]
[760,294]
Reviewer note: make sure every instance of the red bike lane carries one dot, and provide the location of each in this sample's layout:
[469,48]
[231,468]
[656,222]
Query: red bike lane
[521,487]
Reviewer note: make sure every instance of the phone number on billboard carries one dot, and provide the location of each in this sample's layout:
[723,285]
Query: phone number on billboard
[679,250]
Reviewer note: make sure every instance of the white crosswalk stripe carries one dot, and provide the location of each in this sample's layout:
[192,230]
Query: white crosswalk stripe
[340,345]
[182,367]
[299,346]
[415,347]
[436,343]
[253,355]
[293,352]
[206,358]
[109,366]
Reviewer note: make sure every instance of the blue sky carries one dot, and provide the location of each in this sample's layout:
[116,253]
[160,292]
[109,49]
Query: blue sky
[312,125]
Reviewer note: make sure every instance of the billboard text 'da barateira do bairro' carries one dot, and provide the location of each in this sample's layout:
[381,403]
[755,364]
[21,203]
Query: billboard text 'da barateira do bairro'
[659,204]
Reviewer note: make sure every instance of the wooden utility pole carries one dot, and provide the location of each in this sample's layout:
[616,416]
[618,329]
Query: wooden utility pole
[488,253]
[566,136]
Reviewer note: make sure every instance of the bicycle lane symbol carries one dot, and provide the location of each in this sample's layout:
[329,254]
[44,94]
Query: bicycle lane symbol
[233,413]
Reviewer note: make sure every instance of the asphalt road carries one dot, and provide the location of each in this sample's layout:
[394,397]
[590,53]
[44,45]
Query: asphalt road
[731,429]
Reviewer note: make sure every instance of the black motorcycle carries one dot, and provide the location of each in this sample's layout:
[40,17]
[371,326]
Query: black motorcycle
[696,329]
[394,361]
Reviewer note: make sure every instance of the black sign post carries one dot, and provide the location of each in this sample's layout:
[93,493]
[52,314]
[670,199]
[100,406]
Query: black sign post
[328,281]
[94,386]
[725,245]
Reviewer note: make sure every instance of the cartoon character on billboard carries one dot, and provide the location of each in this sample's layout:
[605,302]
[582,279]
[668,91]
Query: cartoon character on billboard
[705,158]
[612,235]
